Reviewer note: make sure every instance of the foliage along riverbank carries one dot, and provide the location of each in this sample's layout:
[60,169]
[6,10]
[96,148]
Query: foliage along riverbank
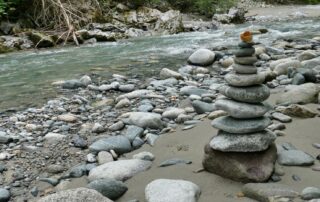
[76,22]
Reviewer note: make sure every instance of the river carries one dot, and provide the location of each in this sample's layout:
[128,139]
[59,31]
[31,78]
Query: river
[26,76]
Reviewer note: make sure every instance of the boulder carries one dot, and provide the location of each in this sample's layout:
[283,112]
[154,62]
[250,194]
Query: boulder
[165,190]
[266,192]
[173,113]
[302,94]
[169,22]
[307,55]
[75,195]
[4,195]
[202,57]
[243,167]
[119,170]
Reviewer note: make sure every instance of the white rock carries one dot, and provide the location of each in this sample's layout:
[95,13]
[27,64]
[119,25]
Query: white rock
[147,156]
[104,157]
[202,57]
[168,73]
[165,190]
[54,137]
[119,170]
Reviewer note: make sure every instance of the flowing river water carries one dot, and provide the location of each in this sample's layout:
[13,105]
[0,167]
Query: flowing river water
[26,76]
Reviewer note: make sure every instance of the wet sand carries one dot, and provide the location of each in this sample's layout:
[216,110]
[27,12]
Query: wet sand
[189,145]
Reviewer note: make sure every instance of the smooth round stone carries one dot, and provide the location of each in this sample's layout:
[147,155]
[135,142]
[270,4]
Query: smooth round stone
[245,45]
[246,60]
[244,52]
[253,94]
[244,80]
[253,142]
[244,69]
[241,126]
[241,110]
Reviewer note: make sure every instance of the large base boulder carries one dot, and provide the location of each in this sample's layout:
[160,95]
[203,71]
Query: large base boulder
[243,167]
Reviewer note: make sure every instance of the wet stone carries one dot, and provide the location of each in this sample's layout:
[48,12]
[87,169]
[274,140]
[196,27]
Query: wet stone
[244,69]
[241,126]
[253,94]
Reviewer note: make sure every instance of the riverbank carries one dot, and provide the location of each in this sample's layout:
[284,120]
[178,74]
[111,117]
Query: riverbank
[97,122]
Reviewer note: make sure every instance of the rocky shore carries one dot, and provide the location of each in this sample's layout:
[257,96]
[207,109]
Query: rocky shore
[128,23]
[81,144]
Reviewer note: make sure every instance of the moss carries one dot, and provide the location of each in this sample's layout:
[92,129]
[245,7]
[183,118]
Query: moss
[5,49]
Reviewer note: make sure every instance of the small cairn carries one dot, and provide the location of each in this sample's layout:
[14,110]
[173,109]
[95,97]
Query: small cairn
[243,149]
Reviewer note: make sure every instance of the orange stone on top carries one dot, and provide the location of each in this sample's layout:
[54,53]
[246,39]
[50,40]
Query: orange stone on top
[246,37]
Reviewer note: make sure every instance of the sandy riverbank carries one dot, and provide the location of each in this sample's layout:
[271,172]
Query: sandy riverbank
[189,145]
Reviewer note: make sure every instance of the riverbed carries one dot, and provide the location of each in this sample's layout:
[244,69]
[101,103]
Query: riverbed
[26,76]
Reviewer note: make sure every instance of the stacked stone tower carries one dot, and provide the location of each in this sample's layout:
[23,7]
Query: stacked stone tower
[243,149]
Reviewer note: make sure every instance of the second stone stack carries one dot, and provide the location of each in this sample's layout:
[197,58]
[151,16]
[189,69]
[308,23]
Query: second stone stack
[243,149]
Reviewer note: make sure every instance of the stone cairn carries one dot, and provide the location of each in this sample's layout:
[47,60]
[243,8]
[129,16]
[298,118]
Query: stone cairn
[243,150]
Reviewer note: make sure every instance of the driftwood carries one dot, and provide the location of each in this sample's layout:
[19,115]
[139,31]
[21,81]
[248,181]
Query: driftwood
[61,15]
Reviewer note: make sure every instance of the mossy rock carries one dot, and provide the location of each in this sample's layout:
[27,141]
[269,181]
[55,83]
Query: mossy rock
[41,40]
[5,49]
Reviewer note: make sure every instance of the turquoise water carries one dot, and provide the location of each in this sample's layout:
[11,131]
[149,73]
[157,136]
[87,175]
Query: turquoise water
[26,77]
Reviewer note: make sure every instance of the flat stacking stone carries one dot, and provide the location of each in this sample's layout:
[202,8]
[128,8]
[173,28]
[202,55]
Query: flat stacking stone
[244,52]
[252,142]
[245,45]
[243,167]
[241,126]
[244,69]
[266,192]
[241,110]
[295,158]
[246,60]
[253,94]
[243,80]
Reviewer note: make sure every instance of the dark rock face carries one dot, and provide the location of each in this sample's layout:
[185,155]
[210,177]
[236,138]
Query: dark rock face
[243,167]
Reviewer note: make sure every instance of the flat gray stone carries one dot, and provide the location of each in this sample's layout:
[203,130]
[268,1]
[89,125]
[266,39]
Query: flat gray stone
[310,193]
[266,192]
[244,69]
[192,90]
[133,132]
[253,94]
[244,52]
[144,120]
[252,142]
[76,195]
[119,170]
[241,126]
[295,158]
[243,80]
[246,60]
[165,190]
[174,161]
[4,195]
[241,110]
[108,187]
[202,57]
[203,107]
[119,144]
[281,117]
